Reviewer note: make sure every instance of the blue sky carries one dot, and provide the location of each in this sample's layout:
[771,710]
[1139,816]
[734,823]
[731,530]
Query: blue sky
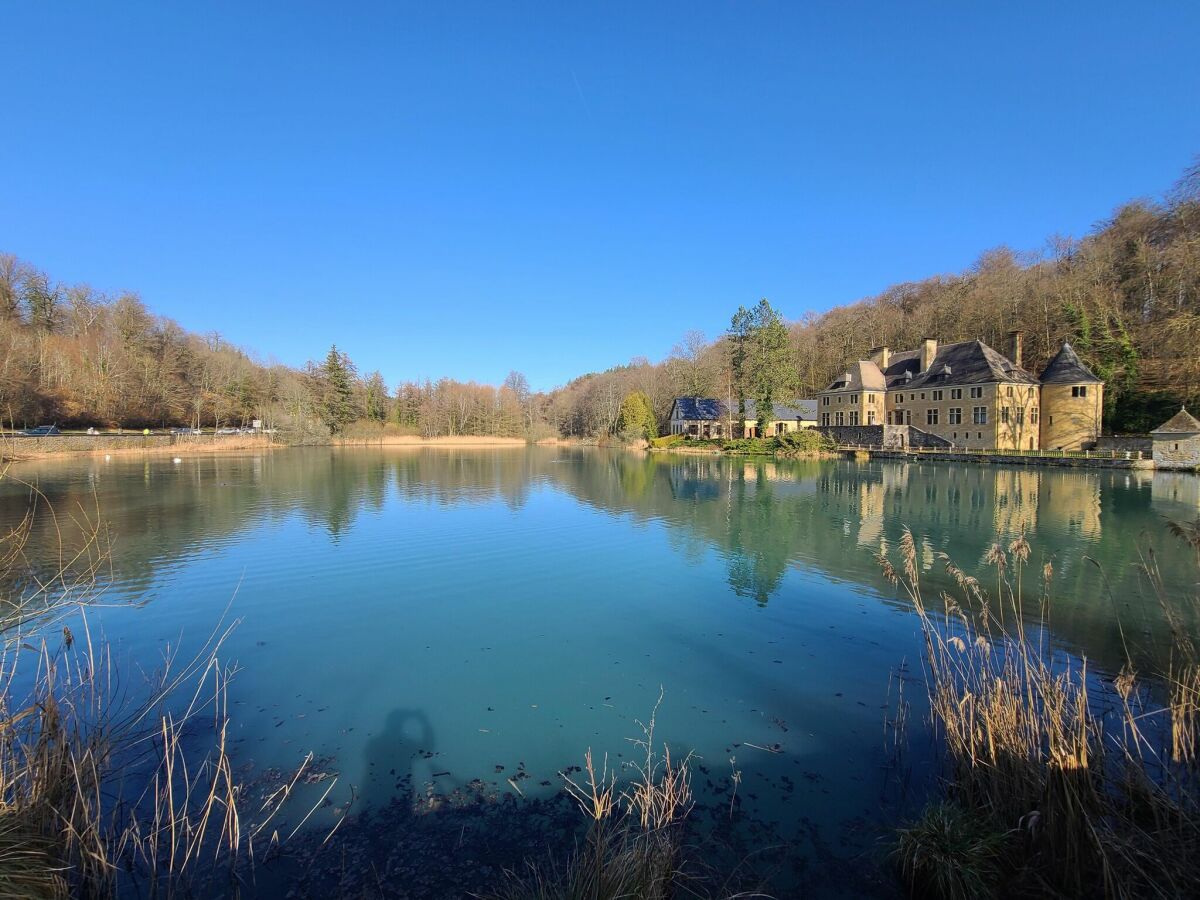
[465,188]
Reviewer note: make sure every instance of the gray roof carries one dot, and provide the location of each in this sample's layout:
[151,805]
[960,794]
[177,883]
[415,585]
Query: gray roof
[968,362]
[1068,368]
[801,409]
[863,375]
[1183,422]
[900,363]
[700,408]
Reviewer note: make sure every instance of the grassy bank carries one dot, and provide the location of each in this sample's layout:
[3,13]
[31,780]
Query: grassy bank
[1058,781]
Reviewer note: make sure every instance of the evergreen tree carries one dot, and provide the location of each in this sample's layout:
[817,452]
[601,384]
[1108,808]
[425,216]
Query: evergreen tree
[759,358]
[637,416]
[376,396]
[336,391]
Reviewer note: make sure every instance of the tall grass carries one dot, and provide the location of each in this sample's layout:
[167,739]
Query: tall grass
[1058,781]
[634,841]
[106,786]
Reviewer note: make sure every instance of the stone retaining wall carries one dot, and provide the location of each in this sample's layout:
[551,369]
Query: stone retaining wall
[19,446]
[1131,443]
[1004,459]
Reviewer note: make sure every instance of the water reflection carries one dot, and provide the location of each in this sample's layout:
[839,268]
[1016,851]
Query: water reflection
[763,517]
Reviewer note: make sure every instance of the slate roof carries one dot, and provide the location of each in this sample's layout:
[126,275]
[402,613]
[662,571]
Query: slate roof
[900,363]
[703,409]
[1068,368]
[864,375]
[801,409]
[968,362]
[1183,422]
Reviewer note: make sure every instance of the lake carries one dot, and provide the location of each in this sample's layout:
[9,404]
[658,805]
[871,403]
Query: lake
[427,621]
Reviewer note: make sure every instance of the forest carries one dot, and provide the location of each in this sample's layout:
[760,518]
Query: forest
[1127,295]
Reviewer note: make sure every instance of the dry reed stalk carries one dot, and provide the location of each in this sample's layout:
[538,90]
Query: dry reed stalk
[1034,749]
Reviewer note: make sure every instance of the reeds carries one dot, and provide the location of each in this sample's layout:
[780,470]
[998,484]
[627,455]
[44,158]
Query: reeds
[633,846]
[99,792]
[1058,780]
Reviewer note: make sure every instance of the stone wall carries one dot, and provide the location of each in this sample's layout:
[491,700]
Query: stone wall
[1177,451]
[1126,443]
[861,435]
[887,437]
[13,446]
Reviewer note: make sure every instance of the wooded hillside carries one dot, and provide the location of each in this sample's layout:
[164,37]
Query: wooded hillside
[1127,296]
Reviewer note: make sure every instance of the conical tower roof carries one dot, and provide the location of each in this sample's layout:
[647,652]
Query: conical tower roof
[1068,368]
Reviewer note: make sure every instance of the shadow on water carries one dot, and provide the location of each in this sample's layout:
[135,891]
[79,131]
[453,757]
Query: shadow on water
[418,831]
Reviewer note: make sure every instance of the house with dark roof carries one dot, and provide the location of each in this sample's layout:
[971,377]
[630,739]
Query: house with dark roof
[700,417]
[1177,442]
[784,417]
[970,395]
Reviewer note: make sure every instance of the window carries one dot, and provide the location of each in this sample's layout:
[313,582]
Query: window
[871,399]
[1020,412]
[1079,390]
[922,395]
[1033,416]
[955,393]
[937,395]
[976,393]
[908,417]
[979,416]
[854,399]
[824,401]
[912,397]
[854,417]
[899,398]
[1008,391]
[870,417]
[1004,414]
[955,415]
[825,419]
[931,417]
[841,418]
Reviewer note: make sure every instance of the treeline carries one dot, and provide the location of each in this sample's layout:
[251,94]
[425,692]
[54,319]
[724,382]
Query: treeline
[1127,296]
[76,357]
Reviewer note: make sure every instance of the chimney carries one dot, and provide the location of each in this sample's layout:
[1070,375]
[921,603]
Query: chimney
[881,356]
[1015,342]
[928,352]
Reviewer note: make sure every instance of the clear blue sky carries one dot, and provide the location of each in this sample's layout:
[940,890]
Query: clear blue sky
[463,188]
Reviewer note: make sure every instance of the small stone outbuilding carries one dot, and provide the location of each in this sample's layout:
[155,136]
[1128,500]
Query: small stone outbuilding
[1177,442]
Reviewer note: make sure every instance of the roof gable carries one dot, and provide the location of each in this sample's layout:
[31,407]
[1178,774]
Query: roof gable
[1183,422]
[968,362]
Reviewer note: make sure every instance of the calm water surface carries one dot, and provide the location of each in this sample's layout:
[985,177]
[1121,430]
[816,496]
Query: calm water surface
[438,614]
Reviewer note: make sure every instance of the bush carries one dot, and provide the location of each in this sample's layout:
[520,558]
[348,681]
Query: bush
[668,440]
[806,440]
[951,854]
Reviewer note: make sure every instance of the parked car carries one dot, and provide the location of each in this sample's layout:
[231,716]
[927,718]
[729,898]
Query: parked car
[41,431]
[186,431]
[227,431]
